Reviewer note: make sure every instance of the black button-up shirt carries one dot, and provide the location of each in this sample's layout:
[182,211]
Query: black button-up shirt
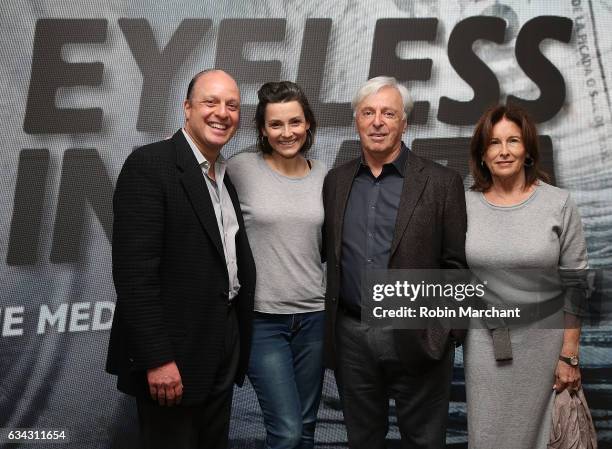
[369,224]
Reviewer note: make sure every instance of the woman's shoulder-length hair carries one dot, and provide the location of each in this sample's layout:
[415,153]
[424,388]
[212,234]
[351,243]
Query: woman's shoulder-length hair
[482,136]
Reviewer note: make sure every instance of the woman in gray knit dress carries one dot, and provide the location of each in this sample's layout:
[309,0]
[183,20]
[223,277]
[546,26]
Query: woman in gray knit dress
[518,221]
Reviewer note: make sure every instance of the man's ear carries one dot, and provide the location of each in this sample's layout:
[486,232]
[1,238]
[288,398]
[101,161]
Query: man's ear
[187,108]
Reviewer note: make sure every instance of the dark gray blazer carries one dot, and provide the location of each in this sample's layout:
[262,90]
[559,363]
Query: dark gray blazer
[170,273]
[429,233]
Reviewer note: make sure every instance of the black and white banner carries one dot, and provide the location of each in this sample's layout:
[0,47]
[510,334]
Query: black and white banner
[85,82]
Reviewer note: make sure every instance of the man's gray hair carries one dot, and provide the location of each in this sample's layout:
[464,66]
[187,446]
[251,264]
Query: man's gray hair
[373,85]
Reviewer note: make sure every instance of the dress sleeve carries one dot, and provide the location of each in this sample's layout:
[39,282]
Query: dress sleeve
[573,262]
[573,254]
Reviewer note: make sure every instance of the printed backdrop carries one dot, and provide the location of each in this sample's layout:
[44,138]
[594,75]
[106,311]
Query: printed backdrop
[84,83]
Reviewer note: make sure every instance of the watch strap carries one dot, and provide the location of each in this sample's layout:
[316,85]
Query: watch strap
[572,360]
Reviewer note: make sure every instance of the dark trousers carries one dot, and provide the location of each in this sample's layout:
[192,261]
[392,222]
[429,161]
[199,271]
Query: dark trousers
[201,426]
[369,373]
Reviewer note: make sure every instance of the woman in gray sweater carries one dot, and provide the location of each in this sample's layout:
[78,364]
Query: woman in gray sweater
[518,221]
[280,195]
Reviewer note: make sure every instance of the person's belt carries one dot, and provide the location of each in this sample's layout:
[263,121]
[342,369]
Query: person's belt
[352,312]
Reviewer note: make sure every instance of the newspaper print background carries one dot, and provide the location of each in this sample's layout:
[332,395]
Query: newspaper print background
[58,168]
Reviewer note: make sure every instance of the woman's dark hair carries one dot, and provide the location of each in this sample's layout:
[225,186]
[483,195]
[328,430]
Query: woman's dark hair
[482,137]
[282,92]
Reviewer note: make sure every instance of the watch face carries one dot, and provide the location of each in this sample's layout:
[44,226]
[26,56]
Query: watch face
[574,361]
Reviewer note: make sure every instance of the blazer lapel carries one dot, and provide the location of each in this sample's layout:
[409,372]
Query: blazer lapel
[344,181]
[197,190]
[414,183]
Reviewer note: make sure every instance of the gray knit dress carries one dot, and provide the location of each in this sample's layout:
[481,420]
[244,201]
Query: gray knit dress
[509,404]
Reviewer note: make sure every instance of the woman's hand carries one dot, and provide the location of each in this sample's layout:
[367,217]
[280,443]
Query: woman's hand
[566,376]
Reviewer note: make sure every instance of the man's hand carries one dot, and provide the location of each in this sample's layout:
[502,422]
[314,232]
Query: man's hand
[165,384]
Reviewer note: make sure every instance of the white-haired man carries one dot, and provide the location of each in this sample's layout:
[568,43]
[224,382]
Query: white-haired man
[389,209]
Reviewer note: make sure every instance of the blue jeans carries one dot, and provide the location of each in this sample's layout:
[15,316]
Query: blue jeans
[286,371]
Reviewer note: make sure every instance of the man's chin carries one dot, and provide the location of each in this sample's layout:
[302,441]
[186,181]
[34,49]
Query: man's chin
[218,142]
[377,148]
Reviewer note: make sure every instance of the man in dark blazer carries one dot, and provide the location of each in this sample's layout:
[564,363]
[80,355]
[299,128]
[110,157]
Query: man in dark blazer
[184,276]
[389,209]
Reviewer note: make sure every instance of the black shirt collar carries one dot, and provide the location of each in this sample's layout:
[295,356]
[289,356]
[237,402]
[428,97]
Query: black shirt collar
[398,165]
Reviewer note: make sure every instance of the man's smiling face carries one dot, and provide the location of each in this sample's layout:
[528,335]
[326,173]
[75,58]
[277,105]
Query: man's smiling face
[381,122]
[212,112]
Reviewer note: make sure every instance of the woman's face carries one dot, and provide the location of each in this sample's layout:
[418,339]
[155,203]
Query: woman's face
[286,128]
[505,154]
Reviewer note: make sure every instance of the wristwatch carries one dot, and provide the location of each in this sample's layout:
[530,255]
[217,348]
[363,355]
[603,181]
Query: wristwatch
[571,360]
